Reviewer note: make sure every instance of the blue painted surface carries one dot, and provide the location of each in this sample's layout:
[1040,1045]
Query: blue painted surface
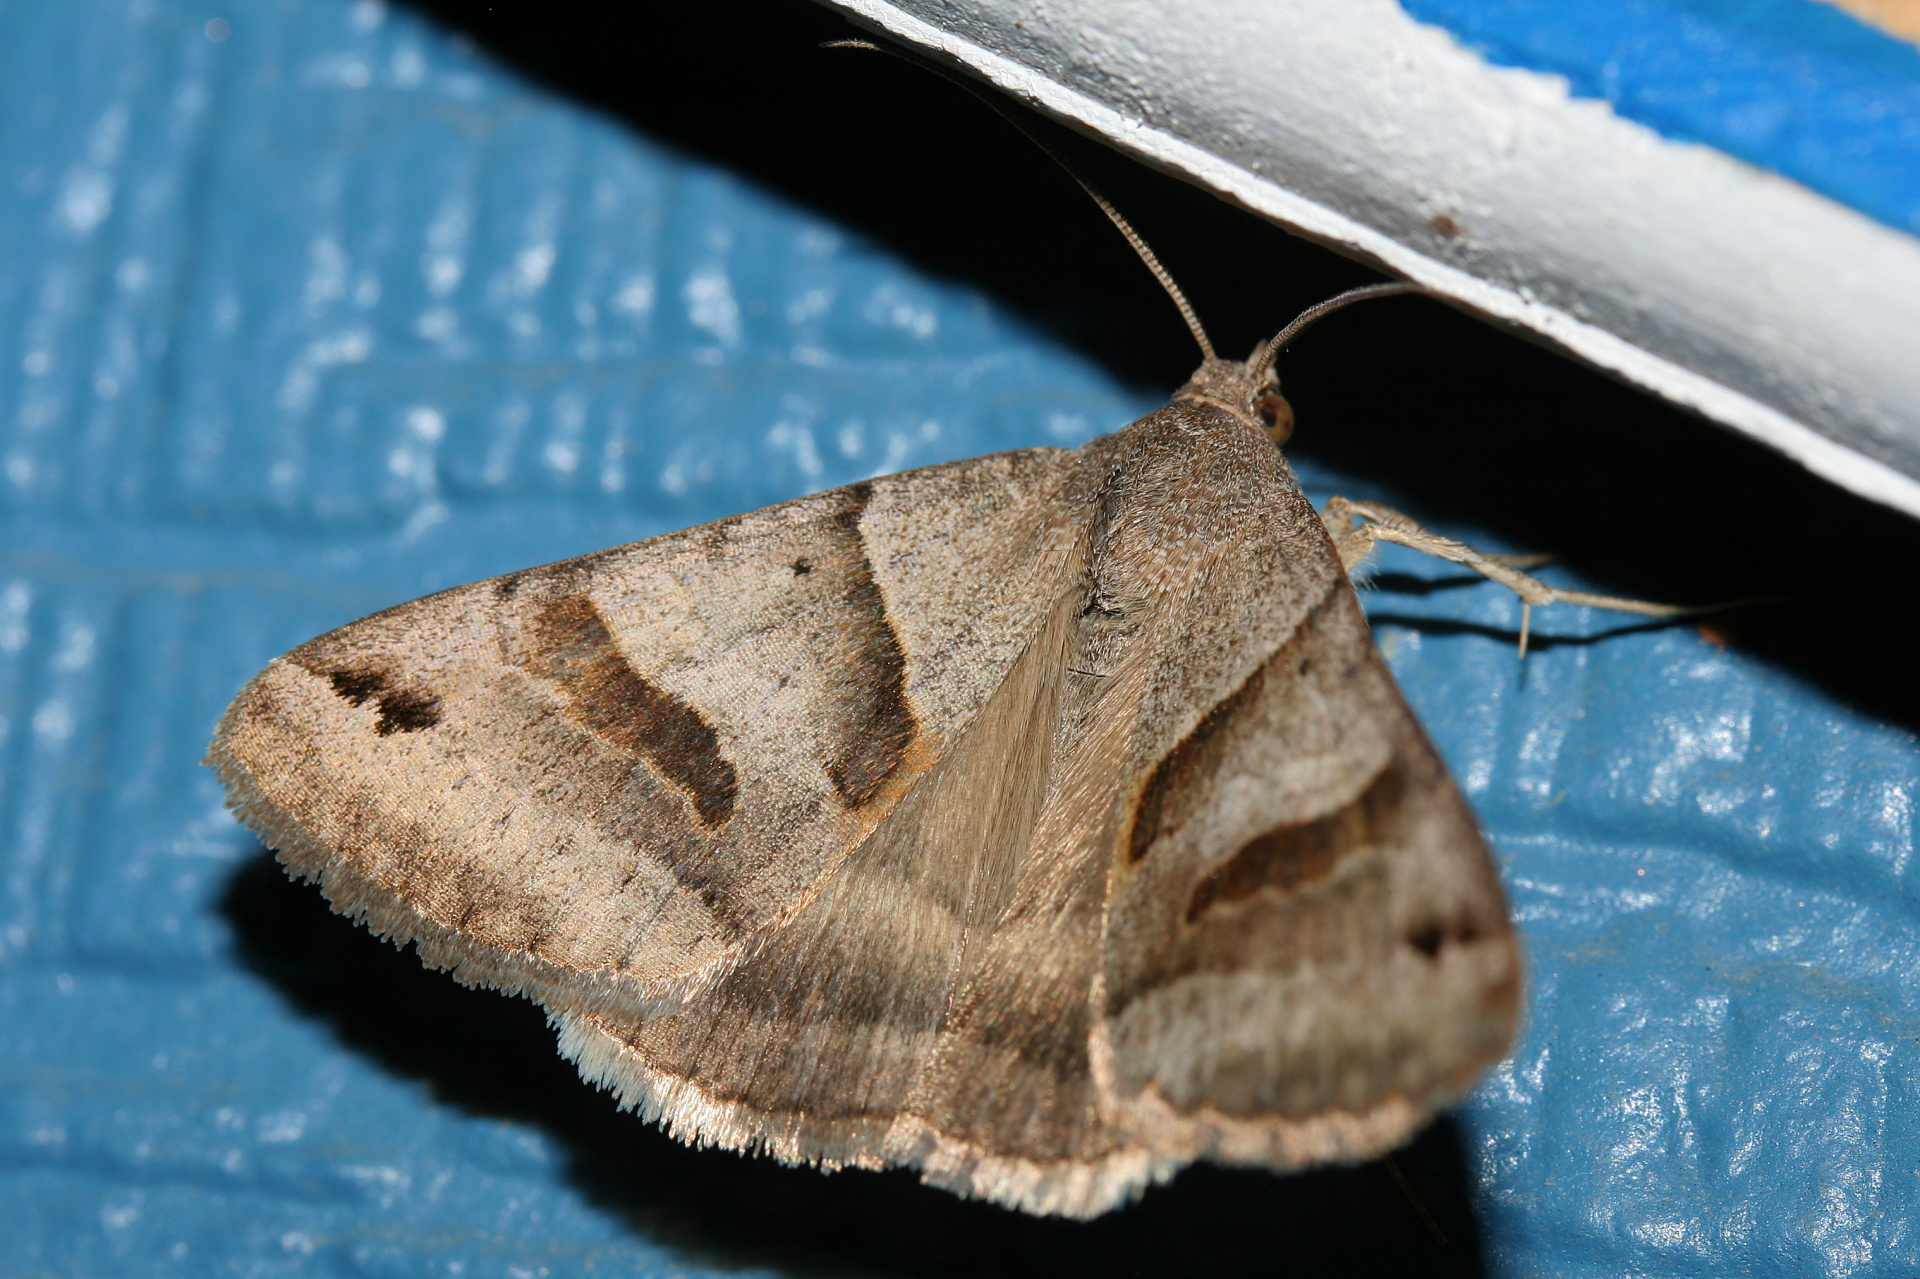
[1795,86]
[330,313]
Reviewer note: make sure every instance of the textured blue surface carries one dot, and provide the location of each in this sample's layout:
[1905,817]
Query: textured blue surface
[308,321]
[1795,86]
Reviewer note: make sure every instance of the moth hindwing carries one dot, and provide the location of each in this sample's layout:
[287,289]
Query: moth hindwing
[1043,822]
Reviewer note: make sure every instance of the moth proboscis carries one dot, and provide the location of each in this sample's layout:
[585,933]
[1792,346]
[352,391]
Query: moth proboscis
[1043,822]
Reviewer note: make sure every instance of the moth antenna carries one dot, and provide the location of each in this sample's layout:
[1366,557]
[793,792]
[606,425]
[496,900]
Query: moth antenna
[1133,237]
[1406,1188]
[1263,360]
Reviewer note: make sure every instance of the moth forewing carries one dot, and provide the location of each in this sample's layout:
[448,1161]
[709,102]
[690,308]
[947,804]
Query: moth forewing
[609,774]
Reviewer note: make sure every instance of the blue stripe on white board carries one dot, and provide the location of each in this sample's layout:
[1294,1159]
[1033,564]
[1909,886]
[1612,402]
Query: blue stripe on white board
[1795,86]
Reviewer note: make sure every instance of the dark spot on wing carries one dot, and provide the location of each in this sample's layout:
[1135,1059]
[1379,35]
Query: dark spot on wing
[357,688]
[407,712]
[875,725]
[613,702]
[802,566]
[401,710]
[1430,935]
[506,587]
[1289,858]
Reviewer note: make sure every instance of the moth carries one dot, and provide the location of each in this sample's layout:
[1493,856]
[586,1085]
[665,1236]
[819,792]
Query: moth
[1042,822]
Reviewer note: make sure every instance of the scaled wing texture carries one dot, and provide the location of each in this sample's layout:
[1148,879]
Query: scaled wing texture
[1043,822]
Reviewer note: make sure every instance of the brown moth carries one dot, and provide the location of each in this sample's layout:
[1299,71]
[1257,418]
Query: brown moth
[1042,822]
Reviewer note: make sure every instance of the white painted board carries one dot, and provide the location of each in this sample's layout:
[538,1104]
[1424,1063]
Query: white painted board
[1722,285]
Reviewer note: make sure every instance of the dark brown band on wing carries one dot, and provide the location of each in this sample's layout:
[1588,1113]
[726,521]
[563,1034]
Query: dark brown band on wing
[1301,854]
[1173,771]
[612,701]
[1188,760]
[876,725]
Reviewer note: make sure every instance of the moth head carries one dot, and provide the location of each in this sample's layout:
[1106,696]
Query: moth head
[1253,397]
[1248,391]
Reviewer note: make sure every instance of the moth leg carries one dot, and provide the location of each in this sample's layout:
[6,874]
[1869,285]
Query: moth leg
[1356,527]
[1533,559]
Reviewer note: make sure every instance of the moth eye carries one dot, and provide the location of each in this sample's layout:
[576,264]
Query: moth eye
[1274,411]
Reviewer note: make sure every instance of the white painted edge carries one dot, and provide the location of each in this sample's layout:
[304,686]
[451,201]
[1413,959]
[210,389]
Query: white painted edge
[1824,456]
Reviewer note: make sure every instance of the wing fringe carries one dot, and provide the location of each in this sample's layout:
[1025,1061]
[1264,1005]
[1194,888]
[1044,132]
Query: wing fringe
[1074,1189]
